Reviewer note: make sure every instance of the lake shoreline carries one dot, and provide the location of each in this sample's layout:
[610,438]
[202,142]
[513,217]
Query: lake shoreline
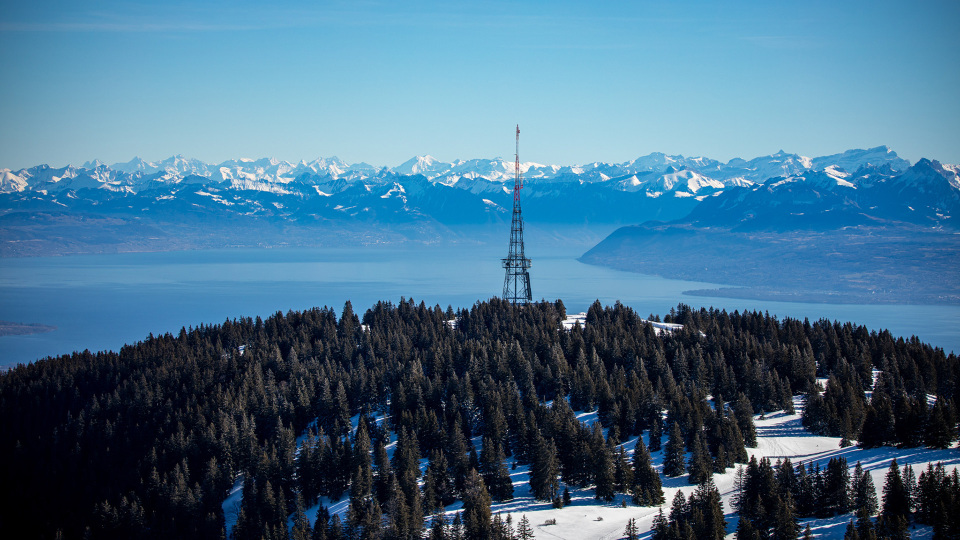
[8,328]
[101,302]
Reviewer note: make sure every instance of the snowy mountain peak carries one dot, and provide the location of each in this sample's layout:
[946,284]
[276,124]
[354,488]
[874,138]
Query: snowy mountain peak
[92,164]
[421,165]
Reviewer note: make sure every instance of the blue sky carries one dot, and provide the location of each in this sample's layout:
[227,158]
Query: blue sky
[383,81]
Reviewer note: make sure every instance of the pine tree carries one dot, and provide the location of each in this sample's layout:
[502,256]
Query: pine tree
[850,534]
[500,528]
[785,525]
[383,473]
[361,481]
[941,426]
[335,530]
[746,530]
[524,530]
[603,470]
[673,461]
[646,489]
[370,524]
[406,461]
[320,523]
[863,493]
[895,511]
[660,527]
[679,510]
[476,507]
[707,511]
[494,471]
[700,466]
[456,528]
[438,527]
[301,525]
[865,528]
[807,495]
[744,415]
[655,435]
[437,482]
[910,484]
[544,470]
[631,529]
[622,471]
[835,493]
[931,503]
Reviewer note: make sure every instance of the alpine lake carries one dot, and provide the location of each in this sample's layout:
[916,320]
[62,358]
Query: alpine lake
[101,302]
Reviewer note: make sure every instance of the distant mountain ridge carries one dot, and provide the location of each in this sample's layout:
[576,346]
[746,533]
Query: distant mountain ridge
[181,203]
[873,235]
[270,174]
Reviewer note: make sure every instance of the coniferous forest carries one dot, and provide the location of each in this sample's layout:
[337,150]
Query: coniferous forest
[408,409]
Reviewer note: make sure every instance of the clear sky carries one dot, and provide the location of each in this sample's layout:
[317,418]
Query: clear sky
[383,81]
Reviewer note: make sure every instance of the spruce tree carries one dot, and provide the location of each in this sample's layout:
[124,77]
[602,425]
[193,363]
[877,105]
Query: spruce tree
[631,531]
[744,414]
[660,527]
[456,528]
[623,471]
[851,532]
[544,484]
[603,471]
[746,530]
[320,523]
[383,473]
[646,489]
[494,471]
[673,461]
[301,525]
[476,507]
[910,485]
[863,493]
[335,530]
[700,466]
[361,481]
[785,526]
[370,525]
[679,510]
[655,435]
[941,427]
[524,530]
[438,481]
[835,491]
[438,527]
[707,511]
[865,528]
[895,509]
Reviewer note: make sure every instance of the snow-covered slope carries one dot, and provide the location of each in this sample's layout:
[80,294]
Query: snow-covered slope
[779,436]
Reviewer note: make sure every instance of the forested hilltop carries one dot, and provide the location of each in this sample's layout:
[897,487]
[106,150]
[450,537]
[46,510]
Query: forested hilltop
[147,441]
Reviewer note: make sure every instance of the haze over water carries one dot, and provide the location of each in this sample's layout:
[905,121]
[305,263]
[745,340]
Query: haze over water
[101,302]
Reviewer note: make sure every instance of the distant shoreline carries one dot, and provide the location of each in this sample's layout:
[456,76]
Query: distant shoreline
[823,297]
[8,328]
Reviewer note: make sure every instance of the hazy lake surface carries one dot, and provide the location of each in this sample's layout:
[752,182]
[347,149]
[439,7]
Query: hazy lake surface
[100,302]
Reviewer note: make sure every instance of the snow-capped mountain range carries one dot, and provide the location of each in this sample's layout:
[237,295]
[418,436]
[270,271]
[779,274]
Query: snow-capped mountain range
[655,174]
[427,198]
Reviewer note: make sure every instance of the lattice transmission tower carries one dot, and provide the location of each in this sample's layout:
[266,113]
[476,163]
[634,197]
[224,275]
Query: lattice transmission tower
[516,284]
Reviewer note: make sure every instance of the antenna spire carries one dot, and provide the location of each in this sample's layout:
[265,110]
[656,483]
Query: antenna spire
[516,283]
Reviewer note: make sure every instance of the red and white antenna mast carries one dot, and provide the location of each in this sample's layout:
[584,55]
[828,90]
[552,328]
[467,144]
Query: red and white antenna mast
[518,180]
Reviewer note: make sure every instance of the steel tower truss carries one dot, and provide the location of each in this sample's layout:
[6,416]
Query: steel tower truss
[516,283]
